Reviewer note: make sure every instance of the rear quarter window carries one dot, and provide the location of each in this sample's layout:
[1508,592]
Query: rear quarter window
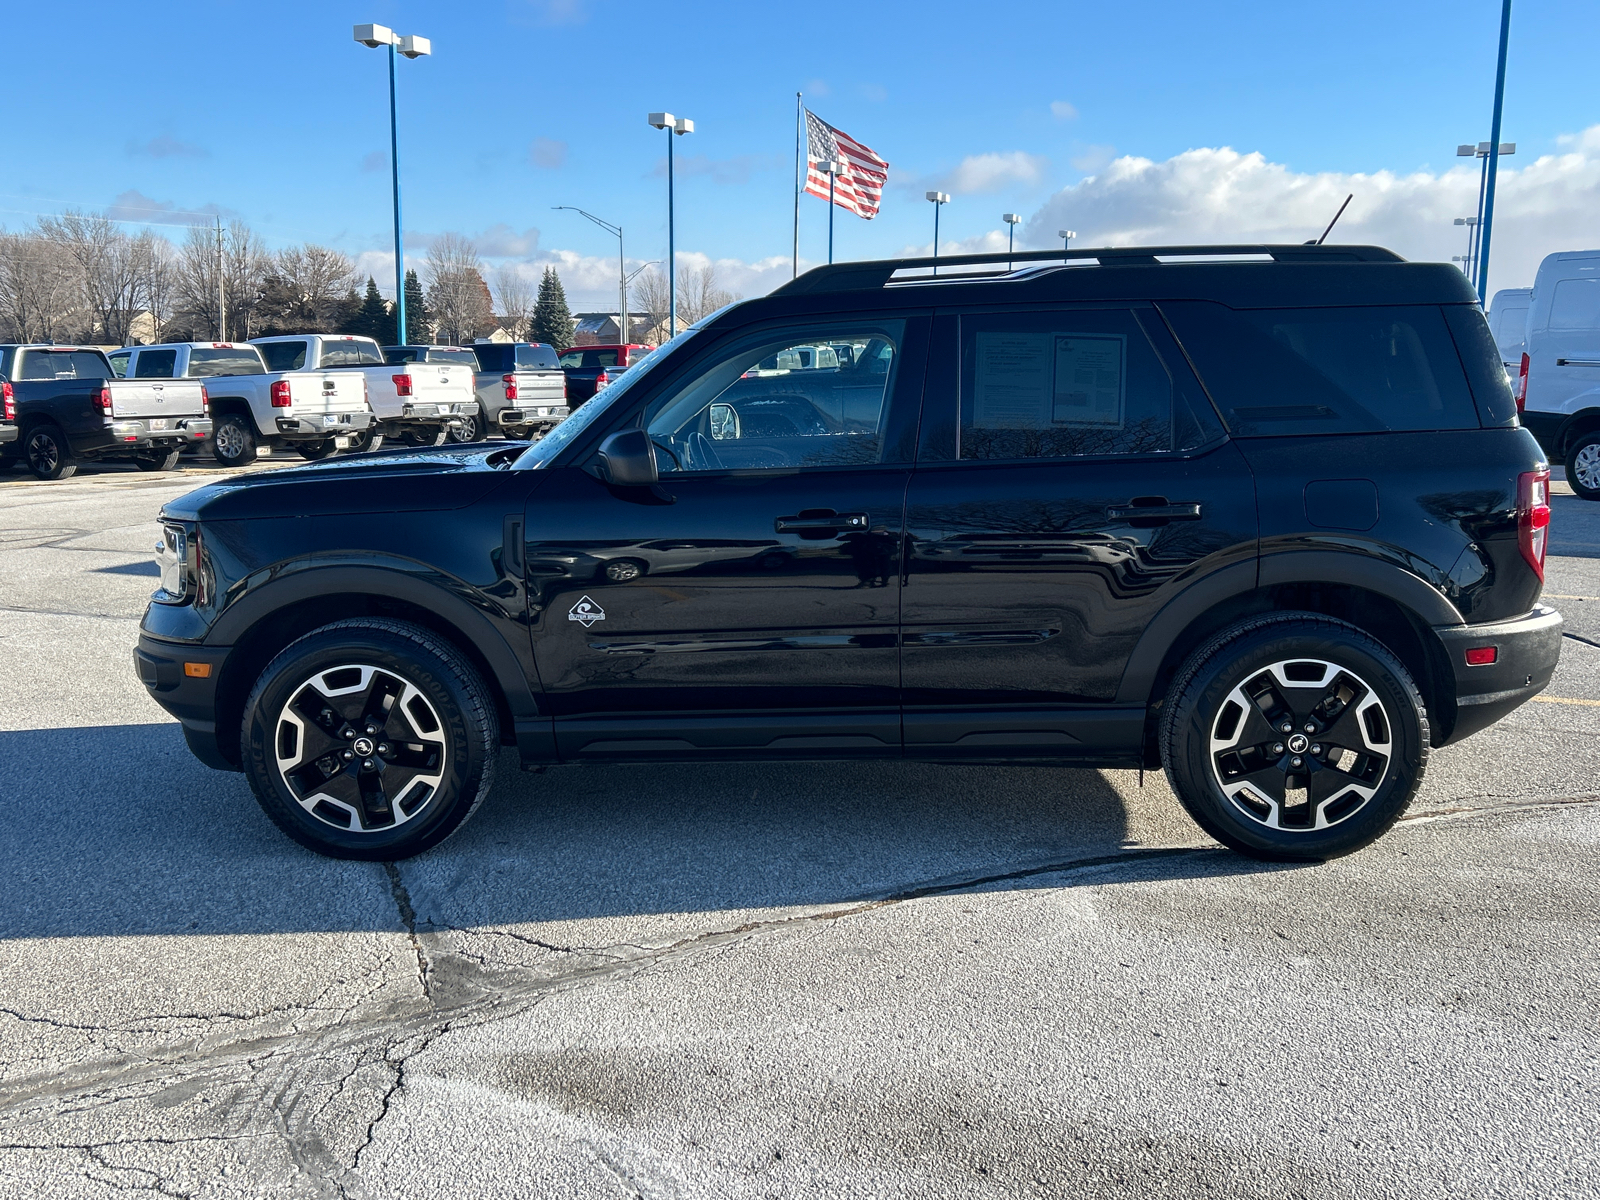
[1295,372]
[207,362]
[283,356]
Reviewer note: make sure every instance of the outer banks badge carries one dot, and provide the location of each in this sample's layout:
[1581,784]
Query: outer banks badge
[587,612]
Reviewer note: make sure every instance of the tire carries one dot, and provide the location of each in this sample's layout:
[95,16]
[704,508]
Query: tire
[473,428]
[161,462]
[48,454]
[421,436]
[1232,763]
[1583,466]
[623,570]
[233,440]
[317,451]
[434,700]
[368,439]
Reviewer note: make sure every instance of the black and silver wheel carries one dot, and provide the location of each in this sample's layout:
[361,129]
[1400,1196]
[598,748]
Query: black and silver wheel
[1294,737]
[317,451]
[48,454]
[425,435]
[233,440]
[369,438]
[474,427]
[1583,466]
[163,461]
[370,739]
[624,569]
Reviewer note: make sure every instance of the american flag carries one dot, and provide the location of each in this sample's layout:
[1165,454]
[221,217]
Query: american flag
[859,184]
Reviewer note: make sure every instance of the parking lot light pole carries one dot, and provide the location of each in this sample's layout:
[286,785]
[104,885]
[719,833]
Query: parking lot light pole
[1486,217]
[622,270]
[938,200]
[373,36]
[1466,260]
[675,126]
[1011,220]
[1066,236]
[833,169]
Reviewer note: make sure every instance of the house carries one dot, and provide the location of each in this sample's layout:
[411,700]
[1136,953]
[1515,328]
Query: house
[603,328]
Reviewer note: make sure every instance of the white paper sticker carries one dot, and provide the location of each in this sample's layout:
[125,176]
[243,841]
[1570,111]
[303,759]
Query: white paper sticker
[1088,379]
[1036,380]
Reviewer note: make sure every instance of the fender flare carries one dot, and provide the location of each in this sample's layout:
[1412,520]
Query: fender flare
[1564,434]
[432,590]
[1364,571]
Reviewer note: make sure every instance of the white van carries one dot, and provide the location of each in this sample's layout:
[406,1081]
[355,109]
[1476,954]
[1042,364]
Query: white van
[1558,384]
[1508,321]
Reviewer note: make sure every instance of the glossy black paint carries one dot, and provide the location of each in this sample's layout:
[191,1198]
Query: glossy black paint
[917,605]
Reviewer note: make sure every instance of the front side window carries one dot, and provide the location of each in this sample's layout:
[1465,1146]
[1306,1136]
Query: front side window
[283,356]
[1576,304]
[1065,384]
[781,400]
[155,364]
[209,361]
[119,365]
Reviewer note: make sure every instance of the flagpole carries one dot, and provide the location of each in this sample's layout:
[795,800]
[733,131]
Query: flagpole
[799,177]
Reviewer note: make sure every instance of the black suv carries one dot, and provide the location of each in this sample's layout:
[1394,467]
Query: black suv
[1260,515]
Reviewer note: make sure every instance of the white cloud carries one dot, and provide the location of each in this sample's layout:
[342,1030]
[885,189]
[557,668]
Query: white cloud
[547,152]
[1062,111]
[1092,158]
[1220,195]
[991,172]
[378,160]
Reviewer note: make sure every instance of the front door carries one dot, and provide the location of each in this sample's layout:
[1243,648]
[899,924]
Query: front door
[749,604]
[1072,478]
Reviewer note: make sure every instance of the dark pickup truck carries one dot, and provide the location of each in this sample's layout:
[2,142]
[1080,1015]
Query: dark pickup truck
[590,368]
[72,408]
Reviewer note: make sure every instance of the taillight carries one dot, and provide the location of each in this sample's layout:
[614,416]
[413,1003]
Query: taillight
[280,394]
[511,386]
[103,400]
[10,399]
[601,380]
[402,385]
[1522,385]
[205,401]
[1533,516]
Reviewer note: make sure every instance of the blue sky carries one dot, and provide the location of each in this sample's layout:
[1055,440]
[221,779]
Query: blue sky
[274,114]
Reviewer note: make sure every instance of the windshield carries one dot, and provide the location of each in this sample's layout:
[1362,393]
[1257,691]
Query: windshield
[546,448]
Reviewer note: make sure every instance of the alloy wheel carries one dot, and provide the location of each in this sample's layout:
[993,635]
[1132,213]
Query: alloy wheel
[44,454]
[228,440]
[1301,745]
[360,748]
[1585,466]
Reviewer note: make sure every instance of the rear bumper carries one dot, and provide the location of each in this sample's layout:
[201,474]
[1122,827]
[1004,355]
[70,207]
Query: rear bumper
[160,667]
[8,433]
[324,425]
[145,433]
[433,414]
[1526,652]
[532,414]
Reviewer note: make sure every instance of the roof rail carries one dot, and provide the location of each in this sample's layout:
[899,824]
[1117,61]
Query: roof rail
[958,268]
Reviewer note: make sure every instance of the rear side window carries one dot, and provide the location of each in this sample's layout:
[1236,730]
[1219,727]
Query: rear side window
[207,362]
[1486,369]
[1289,372]
[358,353]
[1510,324]
[599,358]
[494,356]
[63,364]
[572,358]
[155,364]
[539,358]
[1576,304]
[283,356]
[119,364]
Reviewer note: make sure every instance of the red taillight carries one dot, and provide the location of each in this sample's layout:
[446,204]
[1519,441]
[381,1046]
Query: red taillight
[1522,385]
[402,385]
[103,400]
[205,401]
[10,399]
[601,379]
[1482,656]
[511,386]
[280,394]
[1533,517]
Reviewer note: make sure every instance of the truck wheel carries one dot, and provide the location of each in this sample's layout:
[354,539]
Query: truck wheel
[317,451]
[233,441]
[1294,737]
[1583,466]
[423,436]
[367,439]
[49,456]
[370,739]
[157,462]
[473,428]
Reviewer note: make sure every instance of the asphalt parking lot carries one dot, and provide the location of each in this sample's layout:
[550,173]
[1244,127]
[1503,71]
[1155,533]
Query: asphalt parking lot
[773,980]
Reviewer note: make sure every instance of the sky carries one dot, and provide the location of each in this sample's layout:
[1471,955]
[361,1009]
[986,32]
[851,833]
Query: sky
[1153,122]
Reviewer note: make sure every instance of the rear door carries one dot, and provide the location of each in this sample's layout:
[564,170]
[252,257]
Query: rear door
[748,605]
[1072,478]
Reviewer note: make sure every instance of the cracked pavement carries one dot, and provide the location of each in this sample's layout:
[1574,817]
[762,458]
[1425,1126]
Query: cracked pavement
[768,980]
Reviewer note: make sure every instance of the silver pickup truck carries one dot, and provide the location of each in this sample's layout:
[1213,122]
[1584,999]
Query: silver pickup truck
[522,390]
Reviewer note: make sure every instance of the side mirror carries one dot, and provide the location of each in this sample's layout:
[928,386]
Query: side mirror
[628,459]
[724,422]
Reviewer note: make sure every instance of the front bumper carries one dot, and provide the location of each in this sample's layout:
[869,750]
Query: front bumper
[1526,652]
[159,432]
[166,670]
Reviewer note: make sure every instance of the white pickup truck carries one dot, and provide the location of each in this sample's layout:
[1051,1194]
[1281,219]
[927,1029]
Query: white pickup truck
[419,404]
[251,408]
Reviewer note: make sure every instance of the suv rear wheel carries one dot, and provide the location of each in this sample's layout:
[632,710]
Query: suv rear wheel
[1583,466]
[370,739]
[1294,737]
[49,456]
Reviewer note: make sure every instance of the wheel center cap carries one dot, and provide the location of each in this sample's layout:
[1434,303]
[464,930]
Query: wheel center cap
[1297,744]
[365,746]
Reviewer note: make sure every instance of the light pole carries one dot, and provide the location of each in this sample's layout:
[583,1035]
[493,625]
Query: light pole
[1472,232]
[1494,154]
[938,200]
[1481,150]
[674,126]
[1011,220]
[1066,236]
[411,46]
[833,169]
[622,270]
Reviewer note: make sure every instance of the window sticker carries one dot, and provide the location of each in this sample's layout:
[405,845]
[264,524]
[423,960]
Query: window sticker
[1040,380]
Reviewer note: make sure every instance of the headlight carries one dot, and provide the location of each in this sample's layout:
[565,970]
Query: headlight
[172,557]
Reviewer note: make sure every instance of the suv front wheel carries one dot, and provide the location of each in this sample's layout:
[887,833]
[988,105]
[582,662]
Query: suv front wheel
[1294,737]
[370,739]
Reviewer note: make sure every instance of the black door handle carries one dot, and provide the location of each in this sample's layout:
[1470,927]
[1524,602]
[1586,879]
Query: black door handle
[814,521]
[1154,508]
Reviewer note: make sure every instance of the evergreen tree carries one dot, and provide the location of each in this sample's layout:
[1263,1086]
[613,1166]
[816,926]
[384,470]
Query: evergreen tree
[419,320]
[552,321]
[373,319]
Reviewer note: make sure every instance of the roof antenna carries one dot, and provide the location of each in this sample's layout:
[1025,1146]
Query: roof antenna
[1333,222]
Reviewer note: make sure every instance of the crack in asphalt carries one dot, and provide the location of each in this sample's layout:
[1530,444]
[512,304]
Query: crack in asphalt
[408,918]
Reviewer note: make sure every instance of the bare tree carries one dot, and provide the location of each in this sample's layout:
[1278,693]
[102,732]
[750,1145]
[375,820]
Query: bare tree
[648,293]
[457,294]
[514,296]
[154,266]
[37,291]
[699,294]
[104,269]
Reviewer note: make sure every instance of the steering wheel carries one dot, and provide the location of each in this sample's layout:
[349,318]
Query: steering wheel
[699,450]
[677,462]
